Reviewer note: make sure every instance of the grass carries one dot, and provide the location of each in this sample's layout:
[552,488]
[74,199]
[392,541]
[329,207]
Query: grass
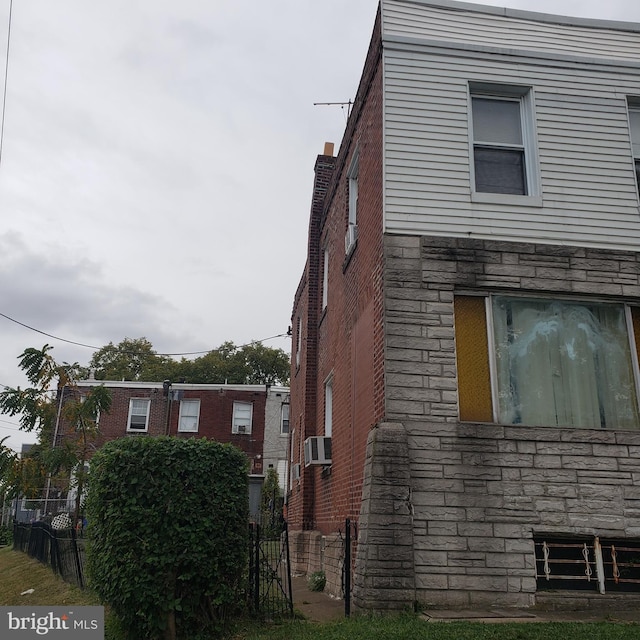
[409,627]
[19,572]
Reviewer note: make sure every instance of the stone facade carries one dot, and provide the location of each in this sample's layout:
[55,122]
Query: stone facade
[479,492]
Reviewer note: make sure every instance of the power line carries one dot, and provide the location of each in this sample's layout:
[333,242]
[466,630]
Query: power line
[88,346]
[6,76]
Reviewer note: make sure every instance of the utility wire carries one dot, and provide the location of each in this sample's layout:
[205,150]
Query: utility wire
[6,76]
[89,346]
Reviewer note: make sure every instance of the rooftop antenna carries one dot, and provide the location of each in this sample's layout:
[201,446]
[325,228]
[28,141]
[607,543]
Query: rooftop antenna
[348,104]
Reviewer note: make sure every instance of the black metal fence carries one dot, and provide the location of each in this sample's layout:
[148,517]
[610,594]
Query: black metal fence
[269,571]
[270,592]
[61,549]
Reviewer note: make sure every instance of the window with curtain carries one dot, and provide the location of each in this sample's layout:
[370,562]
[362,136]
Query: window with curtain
[555,363]
[189,415]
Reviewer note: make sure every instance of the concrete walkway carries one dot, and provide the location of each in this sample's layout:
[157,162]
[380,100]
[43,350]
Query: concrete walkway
[317,606]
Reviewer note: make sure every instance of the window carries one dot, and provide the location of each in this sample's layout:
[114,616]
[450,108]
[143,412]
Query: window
[555,362]
[189,415]
[284,424]
[298,341]
[634,124]
[328,407]
[138,414]
[589,564]
[352,226]
[242,417]
[503,140]
[325,278]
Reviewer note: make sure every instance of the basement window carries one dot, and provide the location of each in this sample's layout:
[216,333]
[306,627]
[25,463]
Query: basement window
[587,564]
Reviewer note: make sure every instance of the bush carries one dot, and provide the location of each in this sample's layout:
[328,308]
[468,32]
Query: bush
[6,536]
[317,581]
[168,533]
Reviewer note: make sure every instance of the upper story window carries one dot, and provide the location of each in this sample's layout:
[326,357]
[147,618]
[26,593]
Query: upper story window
[328,407]
[189,416]
[551,362]
[352,226]
[242,417]
[284,423]
[634,125]
[298,341]
[503,135]
[138,419]
[325,278]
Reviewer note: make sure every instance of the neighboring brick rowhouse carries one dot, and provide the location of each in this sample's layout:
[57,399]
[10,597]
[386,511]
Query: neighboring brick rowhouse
[215,417]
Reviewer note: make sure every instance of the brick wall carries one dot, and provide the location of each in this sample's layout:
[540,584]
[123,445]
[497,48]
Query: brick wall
[216,413]
[346,339]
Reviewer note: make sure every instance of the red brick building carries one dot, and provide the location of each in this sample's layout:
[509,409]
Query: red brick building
[238,414]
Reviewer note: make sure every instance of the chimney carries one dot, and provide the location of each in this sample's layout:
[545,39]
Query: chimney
[328,149]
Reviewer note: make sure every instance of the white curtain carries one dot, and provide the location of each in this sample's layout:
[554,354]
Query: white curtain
[565,364]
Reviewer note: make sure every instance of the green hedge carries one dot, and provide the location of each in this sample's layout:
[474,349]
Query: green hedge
[168,533]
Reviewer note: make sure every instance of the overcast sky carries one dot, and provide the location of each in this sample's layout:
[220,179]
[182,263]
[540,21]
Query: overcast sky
[157,165]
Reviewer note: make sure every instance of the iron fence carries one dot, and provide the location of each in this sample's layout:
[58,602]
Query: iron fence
[61,549]
[270,592]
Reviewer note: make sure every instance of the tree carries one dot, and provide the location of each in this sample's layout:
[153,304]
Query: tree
[40,411]
[135,359]
[131,359]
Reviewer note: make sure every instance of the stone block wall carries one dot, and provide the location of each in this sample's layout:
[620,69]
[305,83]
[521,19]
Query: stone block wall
[480,492]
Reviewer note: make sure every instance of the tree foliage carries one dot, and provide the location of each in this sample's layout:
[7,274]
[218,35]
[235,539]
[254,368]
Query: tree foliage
[40,409]
[168,533]
[136,359]
[131,359]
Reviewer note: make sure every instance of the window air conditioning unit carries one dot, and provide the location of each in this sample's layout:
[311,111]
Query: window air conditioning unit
[350,237]
[295,471]
[242,428]
[317,450]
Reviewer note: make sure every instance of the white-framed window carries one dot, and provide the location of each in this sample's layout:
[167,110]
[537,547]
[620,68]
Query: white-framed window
[325,278]
[503,149]
[352,221]
[242,417]
[328,406]
[547,362]
[284,422]
[138,419]
[298,341]
[189,415]
[634,126]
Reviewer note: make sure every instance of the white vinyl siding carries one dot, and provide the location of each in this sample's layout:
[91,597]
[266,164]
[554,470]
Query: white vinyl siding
[489,27]
[588,194]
